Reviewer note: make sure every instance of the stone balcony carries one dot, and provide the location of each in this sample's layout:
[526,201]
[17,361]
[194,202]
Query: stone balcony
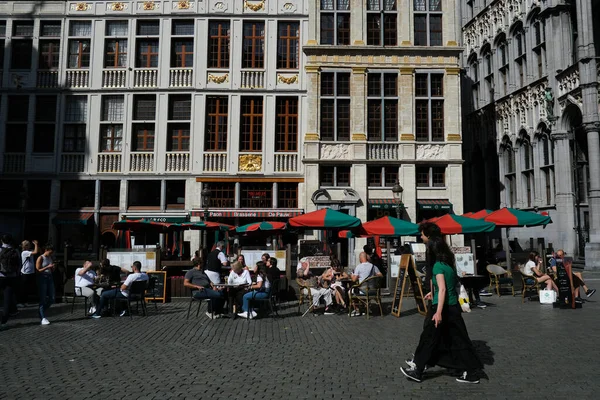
[177,161]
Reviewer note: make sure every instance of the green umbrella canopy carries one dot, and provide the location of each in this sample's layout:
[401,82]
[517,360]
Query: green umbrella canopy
[390,226]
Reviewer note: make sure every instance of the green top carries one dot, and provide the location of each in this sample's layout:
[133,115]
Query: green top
[451,282]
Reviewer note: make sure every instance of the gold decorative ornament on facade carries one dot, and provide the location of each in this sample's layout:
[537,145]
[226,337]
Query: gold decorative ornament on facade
[311,136]
[218,79]
[255,7]
[452,70]
[82,7]
[359,137]
[250,163]
[149,6]
[183,5]
[287,80]
[407,137]
[453,137]
[118,6]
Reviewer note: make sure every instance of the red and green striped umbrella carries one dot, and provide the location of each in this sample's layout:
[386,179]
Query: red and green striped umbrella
[513,218]
[325,218]
[346,234]
[481,214]
[390,226]
[261,226]
[206,225]
[451,224]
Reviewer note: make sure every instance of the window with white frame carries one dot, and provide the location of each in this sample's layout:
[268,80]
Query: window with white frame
[430,176]
[547,167]
[428,22]
[335,106]
[146,53]
[510,178]
[488,65]
[74,138]
[474,73]
[526,150]
[335,22]
[429,107]
[382,106]
[79,44]
[111,133]
[382,22]
[288,44]
[115,45]
[113,107]
[49,44]
[504,67]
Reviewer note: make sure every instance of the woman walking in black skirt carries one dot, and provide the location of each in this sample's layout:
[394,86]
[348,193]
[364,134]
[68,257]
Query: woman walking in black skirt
[444,340]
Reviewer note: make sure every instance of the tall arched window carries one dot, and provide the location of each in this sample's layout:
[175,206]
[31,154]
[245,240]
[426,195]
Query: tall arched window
[488,71]
[520,56]
[539,47]
[474,74]
[503,66]
[546,146]
[510,179]
[527,172]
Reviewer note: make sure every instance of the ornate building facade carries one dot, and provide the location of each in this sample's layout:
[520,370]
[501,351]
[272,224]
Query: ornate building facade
[384,93]
[129,109]
[531,122]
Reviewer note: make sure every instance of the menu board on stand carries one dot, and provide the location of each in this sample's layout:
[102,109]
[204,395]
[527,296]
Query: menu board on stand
[408,276]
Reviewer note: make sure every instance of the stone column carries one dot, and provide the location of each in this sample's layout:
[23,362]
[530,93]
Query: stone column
[358,90]
[357,22]
[406,108]
[588,73]
[313,22]
[312,87]
[564,218]
[452,102]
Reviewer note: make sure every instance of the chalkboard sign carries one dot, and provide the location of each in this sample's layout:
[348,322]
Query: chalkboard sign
[408,275]
[565,298]
[160,286]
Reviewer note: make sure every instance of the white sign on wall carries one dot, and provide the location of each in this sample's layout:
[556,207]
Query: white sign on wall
[125,259]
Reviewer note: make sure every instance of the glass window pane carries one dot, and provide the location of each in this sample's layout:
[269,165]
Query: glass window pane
[183,28]
[80,28]
[116,28]
[148,28]
[50,28]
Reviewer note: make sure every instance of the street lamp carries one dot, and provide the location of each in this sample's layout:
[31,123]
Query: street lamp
[205,203]
[398,190]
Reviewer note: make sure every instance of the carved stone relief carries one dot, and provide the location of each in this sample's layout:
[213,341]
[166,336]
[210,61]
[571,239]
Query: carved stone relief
[430,152]
[334,152]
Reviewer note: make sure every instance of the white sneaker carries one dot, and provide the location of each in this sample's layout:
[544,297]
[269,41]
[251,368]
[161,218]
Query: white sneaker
[92,310]
[209,315]
[355,313]
[123,313]
[253,314]
[243,314]
[45,322]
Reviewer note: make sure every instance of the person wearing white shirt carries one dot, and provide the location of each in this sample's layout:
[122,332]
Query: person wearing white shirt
[533,271]
[28,284]
[85,277]
[238,276]
[363,271]
[215,261]
[123,291]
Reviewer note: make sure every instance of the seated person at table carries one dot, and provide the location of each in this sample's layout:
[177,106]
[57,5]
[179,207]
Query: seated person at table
[85,277]
[259,290]
[215,261]
[123,291]
[577,276]
[202,288]
[241,259]
[111,273]
[363,271]
[272,271]
[333,275]
[238,276]
[306,278]
[533,268]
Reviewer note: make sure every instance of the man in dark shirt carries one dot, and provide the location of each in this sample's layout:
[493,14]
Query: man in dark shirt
[197,280]
[215,261]
[273,271]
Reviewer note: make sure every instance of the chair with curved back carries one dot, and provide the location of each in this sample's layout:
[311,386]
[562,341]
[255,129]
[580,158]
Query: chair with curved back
[529,284]
[270,300]
[302,286]
[137,293]
[499,276]
[366,292]
[71,288]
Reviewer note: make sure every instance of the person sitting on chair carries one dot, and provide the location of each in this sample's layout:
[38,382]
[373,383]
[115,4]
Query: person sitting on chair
[533,269]
[272,271]
[333,275]
[363,271]
[306,278]
[123,291]
[85,277]
[202,287]
[238,276]
[577,276]
[259,290]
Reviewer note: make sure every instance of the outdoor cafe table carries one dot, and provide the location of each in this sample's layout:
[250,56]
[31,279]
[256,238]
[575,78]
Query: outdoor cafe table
[230,294]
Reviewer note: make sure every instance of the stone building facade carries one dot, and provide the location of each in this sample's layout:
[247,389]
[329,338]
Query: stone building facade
[384,97]
[128,109]
[531,122]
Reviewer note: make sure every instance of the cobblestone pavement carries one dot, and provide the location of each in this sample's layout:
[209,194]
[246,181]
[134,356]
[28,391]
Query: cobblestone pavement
[529,350]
